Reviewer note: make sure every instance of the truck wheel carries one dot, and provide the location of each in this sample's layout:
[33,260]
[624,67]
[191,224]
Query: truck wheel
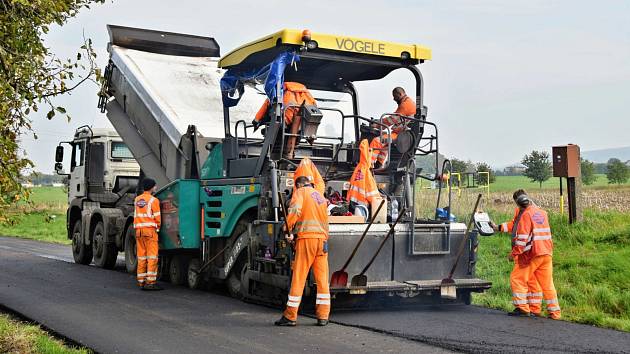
[194,279]
[177,270]
[105,253]
[80,251]
[233,282]
[131,259]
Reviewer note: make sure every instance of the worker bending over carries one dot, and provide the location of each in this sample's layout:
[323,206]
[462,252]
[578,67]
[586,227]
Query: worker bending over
[146,222]
[308,216]
[294,94]
[531,279]
[406,107]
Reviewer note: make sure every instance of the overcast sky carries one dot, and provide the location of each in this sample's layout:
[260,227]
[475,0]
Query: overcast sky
[506,77]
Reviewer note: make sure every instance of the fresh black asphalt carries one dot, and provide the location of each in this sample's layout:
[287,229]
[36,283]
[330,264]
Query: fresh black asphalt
[103,310]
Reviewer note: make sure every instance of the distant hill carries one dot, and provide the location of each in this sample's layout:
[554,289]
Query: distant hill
[622,153]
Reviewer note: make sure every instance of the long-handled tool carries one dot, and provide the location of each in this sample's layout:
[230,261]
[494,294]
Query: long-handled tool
[448,290]
[360,280]
[287,232]
[340,278]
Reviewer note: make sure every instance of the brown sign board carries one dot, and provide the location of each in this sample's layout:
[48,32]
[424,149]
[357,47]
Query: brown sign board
[566,160]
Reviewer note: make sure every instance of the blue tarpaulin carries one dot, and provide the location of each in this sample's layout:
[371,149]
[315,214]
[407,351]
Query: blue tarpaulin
[232,82]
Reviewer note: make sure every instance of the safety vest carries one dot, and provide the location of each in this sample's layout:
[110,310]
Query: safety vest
[406,107]
[146,214]
[294,94]
[308,213]
[533,234]
[363,187]
[308,169]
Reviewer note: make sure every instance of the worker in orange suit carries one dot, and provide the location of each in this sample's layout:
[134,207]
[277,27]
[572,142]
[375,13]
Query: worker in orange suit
[308,217]
[363,188]
[295,94]
[406,107]
[532,248]
[146,222]
[308,169]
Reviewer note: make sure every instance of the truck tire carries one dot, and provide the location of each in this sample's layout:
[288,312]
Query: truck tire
[80,251]
[105,253]
[233,281]
[194,279]
[177,270]
[131,259]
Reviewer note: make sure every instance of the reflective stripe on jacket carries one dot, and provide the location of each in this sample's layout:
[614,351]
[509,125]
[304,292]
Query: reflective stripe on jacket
[146,214]
[363,187]
[294,94]
[308,213]
[308,169]
[533,235]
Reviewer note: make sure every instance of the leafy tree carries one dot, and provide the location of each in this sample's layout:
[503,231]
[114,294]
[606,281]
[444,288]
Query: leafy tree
[537,166]
[483,179]
[588,172]
[618,172]
[30,76]
[459,166]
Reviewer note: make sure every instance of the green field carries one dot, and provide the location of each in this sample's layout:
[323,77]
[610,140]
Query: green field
[512,183]
[42,219]
[20,337]
[591,262]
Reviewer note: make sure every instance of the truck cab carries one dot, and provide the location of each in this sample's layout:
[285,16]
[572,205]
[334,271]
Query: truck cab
[102,181]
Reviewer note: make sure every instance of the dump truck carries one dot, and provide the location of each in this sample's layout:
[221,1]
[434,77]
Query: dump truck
[184,113]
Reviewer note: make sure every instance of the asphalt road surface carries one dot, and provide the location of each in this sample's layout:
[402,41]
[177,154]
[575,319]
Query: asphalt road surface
[103,310]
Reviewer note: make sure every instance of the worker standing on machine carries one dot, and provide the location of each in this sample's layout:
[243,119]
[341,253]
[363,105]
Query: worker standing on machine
[146,222]
[406,107]
[531,279]
[295,94]
[308,215]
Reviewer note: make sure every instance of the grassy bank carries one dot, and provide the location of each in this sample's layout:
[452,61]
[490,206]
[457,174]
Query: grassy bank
[591,262]
[23,338]
[38,225]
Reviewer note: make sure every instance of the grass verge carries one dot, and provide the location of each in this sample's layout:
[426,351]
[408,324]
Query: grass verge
[38,225]
[20,337]
[591,262]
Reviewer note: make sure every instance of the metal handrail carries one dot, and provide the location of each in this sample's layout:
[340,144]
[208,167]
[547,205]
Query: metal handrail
[245,131]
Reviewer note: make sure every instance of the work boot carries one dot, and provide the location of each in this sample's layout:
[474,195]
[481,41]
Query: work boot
[322,322]
[536,314]
[519,313]
[285,322]
[152,287]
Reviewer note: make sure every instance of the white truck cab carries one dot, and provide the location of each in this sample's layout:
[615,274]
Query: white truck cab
[101,187]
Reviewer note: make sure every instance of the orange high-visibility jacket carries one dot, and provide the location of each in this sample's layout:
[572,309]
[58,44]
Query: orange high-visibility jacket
[147,212]
[307,168]
[294,94]
[363,187]
[508,226]
[533,235]
[308,213]
[406,107]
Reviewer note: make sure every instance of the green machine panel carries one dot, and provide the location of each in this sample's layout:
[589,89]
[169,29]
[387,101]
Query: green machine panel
[223,206]
[181,215]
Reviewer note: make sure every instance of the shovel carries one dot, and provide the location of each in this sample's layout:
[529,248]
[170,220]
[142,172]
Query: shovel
[360,280]
[340,278]
[448,290]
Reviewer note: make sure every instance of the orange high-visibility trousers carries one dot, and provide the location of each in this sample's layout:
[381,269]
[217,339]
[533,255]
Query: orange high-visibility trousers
[541,271]
[147,253]
[519,279]
[309,252]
